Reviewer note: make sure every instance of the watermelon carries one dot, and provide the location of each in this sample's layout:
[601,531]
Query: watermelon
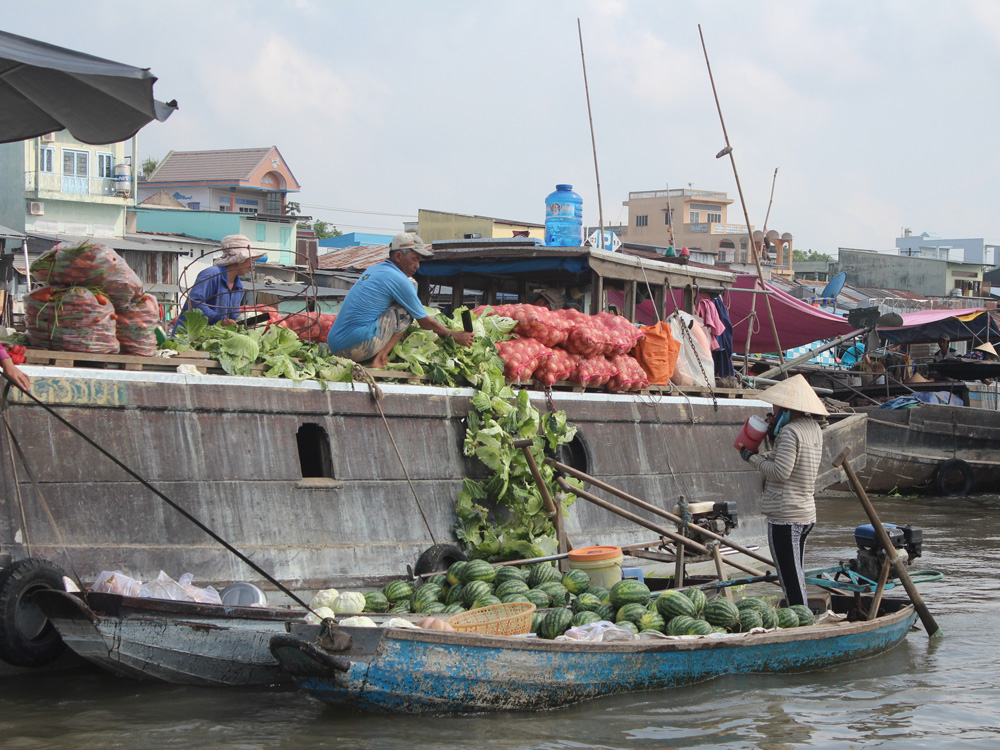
[717,629]
[586,603]
[673,603]
[699,627]
[536,620]
[430,608]
[627,625]
[632,613]
[750,619]
[787,618]
[514,599]
[429,592]
[629,592]
[752,602]
[400,607]
[652,621]
[606,612]
[440,579]
[576,581]
[543,573]
[648,631]
[509,573]
[452,609]
[478,570]
[510,587]
[805,615]
[375,601]
[584,617]
[454,574]
[769,617]
[722,612]
[603,594]
[556,590]
[485,601]
[679,625]
[539,598]
[697,596]
[396,591]
[557,621]
[475,590]
[455,594]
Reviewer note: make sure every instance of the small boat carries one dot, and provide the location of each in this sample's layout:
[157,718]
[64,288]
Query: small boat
[425,671]
[184,643]
[949,450]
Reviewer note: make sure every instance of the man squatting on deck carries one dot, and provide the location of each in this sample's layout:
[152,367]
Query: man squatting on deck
[382,304]
[790,472]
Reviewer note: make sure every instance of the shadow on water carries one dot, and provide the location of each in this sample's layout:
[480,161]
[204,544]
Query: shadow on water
[923,694]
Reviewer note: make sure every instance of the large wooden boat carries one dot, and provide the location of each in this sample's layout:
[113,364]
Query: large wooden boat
[421,671]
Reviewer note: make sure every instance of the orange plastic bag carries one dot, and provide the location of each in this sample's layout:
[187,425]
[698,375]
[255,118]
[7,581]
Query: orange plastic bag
[657,352]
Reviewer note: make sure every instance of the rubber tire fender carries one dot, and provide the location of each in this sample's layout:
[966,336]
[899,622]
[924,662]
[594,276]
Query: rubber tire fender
[27,638]
[438,557]
[941,475]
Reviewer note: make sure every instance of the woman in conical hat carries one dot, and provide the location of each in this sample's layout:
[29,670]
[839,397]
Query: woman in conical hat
[790,472]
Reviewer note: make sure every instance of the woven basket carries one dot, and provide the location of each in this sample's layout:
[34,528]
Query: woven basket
[498,619]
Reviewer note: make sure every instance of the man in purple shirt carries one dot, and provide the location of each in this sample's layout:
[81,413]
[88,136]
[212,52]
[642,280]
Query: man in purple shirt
[382,304]
[218,291]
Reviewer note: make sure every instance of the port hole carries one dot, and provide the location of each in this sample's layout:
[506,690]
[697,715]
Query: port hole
[576,453]
[314,451]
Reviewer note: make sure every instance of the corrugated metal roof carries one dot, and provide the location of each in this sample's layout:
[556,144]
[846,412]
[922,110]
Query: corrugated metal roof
[227,164]
[115,243]
[356,258]
[7,232]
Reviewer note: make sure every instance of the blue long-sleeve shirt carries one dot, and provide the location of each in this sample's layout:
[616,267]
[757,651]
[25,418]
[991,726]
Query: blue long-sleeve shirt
[211,294]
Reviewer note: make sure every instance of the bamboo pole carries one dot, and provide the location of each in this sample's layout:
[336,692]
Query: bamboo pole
[746,216]
[667,533]
[554,510]
[933,631]
[593,139]
[653,509]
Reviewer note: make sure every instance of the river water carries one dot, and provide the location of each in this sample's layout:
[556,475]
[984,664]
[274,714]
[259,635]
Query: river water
[924,694]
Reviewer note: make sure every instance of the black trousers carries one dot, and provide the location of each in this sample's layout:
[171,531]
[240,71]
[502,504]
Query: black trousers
[788,545]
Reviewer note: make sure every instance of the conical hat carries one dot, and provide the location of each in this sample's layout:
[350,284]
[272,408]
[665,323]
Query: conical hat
[796,394]
[988,348]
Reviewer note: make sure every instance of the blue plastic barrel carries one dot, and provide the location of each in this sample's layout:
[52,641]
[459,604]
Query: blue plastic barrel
[564,218]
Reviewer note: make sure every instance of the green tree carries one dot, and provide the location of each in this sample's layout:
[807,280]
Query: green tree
[148,165]
[810,255]
[324,230]
[292,208]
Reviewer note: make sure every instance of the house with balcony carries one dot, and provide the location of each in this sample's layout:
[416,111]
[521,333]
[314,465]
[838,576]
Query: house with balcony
[699,220]
[231,191]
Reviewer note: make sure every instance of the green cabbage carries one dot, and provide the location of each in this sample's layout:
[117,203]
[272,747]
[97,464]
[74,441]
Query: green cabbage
[349,603]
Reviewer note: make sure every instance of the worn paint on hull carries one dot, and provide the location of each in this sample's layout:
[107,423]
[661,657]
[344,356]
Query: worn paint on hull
[225,449]
[424,671]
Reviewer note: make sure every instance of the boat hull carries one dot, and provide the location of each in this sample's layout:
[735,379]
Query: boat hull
[427,671]
[176,642]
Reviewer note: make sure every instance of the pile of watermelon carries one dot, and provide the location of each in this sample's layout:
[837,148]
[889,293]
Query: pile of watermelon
[477,583]
[568,345]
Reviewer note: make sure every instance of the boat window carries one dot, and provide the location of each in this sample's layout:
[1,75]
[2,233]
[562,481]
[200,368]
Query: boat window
[314,451]
[576,453]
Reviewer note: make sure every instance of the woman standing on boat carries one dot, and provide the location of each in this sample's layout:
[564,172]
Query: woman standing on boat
[790,472]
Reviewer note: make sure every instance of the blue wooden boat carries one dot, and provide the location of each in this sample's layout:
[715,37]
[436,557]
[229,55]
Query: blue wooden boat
[418,671]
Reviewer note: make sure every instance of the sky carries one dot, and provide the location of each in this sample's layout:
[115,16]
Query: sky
[877,114]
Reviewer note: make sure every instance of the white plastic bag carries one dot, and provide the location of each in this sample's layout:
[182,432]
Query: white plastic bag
[164,587]
[116,582]
[597,632]
[207,595]
[695,366]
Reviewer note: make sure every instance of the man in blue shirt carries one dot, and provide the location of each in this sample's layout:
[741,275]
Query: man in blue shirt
[218,291]
[382,304]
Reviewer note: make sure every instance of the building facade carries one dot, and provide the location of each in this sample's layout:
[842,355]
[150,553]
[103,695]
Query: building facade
[699,220]
[930,277]
[443,225]
[961,250]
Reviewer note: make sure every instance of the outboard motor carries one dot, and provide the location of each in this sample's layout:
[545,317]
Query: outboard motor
[721,517]
[908,541]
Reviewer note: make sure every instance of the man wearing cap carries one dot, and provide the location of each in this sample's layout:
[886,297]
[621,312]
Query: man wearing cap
[790,472]
[382,304]
[944,349]
[218,291]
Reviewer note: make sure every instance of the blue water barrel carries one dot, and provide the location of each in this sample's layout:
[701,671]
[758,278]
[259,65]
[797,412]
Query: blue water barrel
[564,218]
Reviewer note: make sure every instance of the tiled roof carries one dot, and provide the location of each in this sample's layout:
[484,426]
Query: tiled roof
[227,164]
[356,258]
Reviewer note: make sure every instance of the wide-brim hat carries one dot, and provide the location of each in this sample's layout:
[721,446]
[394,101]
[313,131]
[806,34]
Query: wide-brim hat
[987,347]
[795,394]
[410,242]
[236,249]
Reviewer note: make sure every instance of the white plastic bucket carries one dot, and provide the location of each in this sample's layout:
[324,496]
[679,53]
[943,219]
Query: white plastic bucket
[602,564]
